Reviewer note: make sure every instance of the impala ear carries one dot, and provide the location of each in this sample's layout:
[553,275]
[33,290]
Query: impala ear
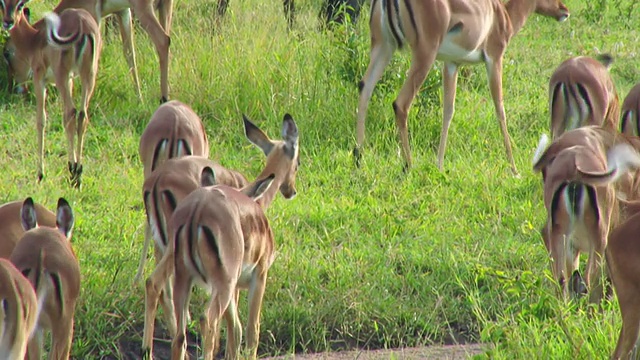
[290,133]
[64,218]
[27,13]
[28,215]
[257,136]
[208,177]
[259,188]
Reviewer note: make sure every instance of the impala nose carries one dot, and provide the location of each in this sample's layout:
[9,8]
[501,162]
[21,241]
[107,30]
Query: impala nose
[7,25]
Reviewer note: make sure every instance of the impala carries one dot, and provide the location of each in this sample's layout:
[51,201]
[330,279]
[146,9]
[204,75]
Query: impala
[621,255]
[581,207]
[174,130]
[11,229]
[70,43]
[143,9]
[631,112]
[220,238]
[455,31]
[162,191]
[50,249]
[18,311]
[581,92]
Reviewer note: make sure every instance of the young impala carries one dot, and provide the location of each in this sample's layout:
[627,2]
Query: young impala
[220,238]
[457,32]
[143,9]
[49,249]
[69,43]
[581,92]
[581,206]
[162,191]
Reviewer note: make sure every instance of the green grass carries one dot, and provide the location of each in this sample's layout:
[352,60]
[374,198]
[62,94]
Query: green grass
[366,257]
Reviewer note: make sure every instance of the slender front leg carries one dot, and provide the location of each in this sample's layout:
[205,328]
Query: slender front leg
[422,60]
[145,250]
[165,10]
[494,73]
[149,22]
[256,293]
[41,117]
[380,56]
[125,24]
[450,84]
[182,292]
[88,79]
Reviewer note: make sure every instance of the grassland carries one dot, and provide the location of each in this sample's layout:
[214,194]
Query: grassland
[367,257]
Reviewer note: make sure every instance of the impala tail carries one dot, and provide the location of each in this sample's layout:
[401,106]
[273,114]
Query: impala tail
[54,38]
[620,159]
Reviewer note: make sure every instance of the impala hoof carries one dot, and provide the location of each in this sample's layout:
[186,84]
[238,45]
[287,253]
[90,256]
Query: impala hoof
[40,177]
[76,174]
[146,353]
[163,100]
[357,156]
[406,167]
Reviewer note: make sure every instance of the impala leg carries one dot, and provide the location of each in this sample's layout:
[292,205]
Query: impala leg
[35,345]
[166,296]
[41,118]
[596,275]
[494,73]
[181,297]
[145,251]
[165,10]
[234,328]
[558,259]
[629,307]
[450,83]
[163,271]
[256,293]
[125,24]
[64,83]
[160,39]
[61,337]
[379,59]
[421,63]
[88,85]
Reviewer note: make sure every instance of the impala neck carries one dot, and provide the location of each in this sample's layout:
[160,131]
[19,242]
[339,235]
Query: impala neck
[519,11]
[271,193]
[27,39]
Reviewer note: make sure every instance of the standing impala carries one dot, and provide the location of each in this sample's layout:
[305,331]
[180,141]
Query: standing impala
[582,92]
[630,123]
[162,191]
[220,238]
[455,31]
[143,9]
[70,43]
[49,249]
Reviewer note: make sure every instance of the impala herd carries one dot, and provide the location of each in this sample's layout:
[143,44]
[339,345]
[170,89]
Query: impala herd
[208,223]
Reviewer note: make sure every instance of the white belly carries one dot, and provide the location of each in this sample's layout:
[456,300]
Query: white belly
[450,51]
[112,6]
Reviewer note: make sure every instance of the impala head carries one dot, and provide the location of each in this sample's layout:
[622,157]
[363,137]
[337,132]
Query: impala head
[12,12]
[64,217]
[282,155]
[552,8]
[18,67]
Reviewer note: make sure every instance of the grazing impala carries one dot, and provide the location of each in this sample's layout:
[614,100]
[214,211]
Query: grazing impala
[631,112]
[70,43]
[581,206]
[220,238]
[581,92]
[162,191]
[61,279]
[143,9]
[455,31]
[11,229]
[18,311]
[174,130]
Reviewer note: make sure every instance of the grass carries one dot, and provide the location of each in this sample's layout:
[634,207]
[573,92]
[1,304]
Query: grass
[367,257]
